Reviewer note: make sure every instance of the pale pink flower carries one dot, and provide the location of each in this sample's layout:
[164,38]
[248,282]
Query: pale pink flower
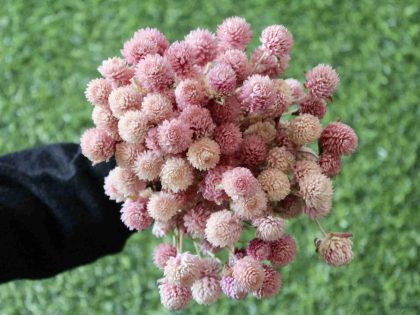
[134,214]
[234,32]
[335,249]
[204,154]
[238,61]
[266,64]
[111,185]
[253,150]
[277,40]
[103,119]
[280,158]
[222,79]
[154,73]
[266,130]
[116,70]
[161,229]
[249,208]
[206,290]
[210,267]
[258,249]
[283,251]
[181,58]
[239,182]
[135,49]
[126,153]
[97,92]
[229,138]
[321,81]
[269,228]
[156,108]
[183,269]
[133,126]
[229,111]
[248,273]
[174,297]
[203,44]
[153,35]
[317,191]
[162,253]
[152,140]
[128,183]
[305,167]
[124,99]
[175,136]
[148,165]
[330,164]
[176,174]
[223,228]
[271,284]
[257,93]
[162,206]
[275,183]
[338,138]
[304,129]
[97,145]
[191,92]
[296,88]
[199,120]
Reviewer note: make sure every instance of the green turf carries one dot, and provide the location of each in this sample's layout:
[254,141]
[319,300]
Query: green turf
[49,50]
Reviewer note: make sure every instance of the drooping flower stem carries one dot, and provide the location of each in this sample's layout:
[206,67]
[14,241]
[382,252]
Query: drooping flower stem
[320,227]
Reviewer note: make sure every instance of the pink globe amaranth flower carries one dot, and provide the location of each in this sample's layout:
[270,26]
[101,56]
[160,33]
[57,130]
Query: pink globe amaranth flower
[199,120]
[321,81]
[258,249]
[191,92]
[266,130]
[275,183]
[148,165]
[248,273]
[162,206]
[116,70]
[97,145]
[230,111]
[97,92]
[203,44]
[127,182]
[338,138]
[290,207]
[175,136]
[154,73]
[229,138]
[305,167]
[223,228]
[195,220]
[162,253]
[153,35]
[156,108]
[277,40]
[271,284]
[124,99]
[335,249]
[183,269]
[313,106]
[269,228]
[204,154]
[133,126]
[206,290]
[174,297]
[257,93]
[283,140]
[304,129]
[152,141]
[188,198]
[234,32]
[280,158]
[161,229]
[103,119]
[282,101]
[267,64]
[134,214]
[210,186]
[126,153]
[250,208]
[317,191]
[181,59]
[231,289]
[296,88]
[239,182]
[111,186]
[330,164]
[222,79]
[283,251]
[209,267]
[135,49]
[176,174]
[253,150]
[238,61]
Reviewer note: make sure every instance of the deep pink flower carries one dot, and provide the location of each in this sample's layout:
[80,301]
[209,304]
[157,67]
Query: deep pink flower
[313,106]
[238,61]
[290,207]
[234,32]
[283,251]
[271,284]
[259,249]
[222,78]
[162,253]
[181,59]
[330,164]
[203,44]
[229,111]
[277,40]
[229,138]
[154,73]
[338,138]
[134,214]
[253,150]
[267,64]
[195,220]
[257,93]
[199,120]
[248,273]
[321,81]
[175,136]
[153,35]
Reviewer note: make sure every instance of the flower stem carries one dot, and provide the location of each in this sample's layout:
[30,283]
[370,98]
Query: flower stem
[320,227]
[197,250]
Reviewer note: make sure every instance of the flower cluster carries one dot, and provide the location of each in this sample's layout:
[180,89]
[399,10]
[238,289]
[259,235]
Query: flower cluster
[212,146]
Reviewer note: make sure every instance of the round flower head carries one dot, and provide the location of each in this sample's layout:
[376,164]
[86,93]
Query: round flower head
[277,40]
[161,229]
[210,186]
[162,253]
[253,150]
[153,35]
[97,92]
[190,92]
[206,290]
[195,220]
[223,228]
[239,182]
[133,127]
[162,206]
[275,183]
[271,284]
[103,119]
[111,185]
[321,81]
[250,208]
[313,106]
[126,153]
[97,145]
[238,61]
[290,207]
[127,182]
[174,297]
[283,251]
[181,59]
[156,108]
[305,167]
[263,129]
[176,174]
[296,88]
[282,101]
[148,165]
[199,120]
[152,141]
[330,164]
[124,99]
[316,190]
[230,111]
[234,32]
[283,140]
[257,93]
[154,73]
[280,158]
[222,79]
[231,289]
[339,139]
[229,138]
[204,154]
[183,269]
[267,64]
[335,250]
[116,70]
[269,228]
[203,45]
[248,273]
[135,49]
[209,267]
[258,249]
[134,214]
[188,198]
[175,136]
[304,129]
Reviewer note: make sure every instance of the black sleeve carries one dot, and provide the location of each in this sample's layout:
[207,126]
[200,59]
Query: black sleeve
[54,214]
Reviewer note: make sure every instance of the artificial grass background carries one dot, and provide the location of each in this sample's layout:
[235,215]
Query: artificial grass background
[49,50]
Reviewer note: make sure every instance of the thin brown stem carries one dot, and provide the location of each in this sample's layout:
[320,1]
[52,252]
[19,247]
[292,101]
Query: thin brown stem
[320,227]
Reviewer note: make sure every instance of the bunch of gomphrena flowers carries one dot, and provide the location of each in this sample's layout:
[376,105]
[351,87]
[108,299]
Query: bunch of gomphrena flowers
[211,146]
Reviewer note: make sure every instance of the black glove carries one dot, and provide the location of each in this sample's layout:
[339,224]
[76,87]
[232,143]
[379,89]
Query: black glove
[54,214]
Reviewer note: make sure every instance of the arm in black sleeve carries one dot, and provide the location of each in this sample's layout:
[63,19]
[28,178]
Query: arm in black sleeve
[54,214]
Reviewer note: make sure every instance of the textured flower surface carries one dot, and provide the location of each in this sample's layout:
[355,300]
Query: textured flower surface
[335,249]
[248,273]
[223,228]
